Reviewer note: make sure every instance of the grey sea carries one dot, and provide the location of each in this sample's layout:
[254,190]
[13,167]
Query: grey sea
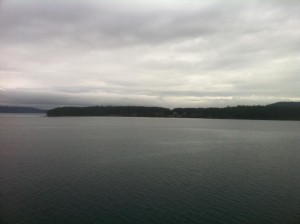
[148,170]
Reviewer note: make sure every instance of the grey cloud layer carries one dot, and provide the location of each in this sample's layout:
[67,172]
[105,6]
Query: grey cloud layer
[184,53]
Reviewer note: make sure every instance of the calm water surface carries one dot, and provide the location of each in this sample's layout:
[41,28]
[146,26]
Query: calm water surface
[148,170]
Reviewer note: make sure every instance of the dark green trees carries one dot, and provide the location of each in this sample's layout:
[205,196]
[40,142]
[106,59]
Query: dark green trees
[277,111]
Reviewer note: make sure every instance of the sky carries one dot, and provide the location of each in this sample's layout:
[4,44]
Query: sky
[169,53]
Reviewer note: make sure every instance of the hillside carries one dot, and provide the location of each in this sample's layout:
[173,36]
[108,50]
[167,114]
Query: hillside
[285,104]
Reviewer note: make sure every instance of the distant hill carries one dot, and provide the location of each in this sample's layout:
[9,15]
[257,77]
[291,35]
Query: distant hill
[12,109]
[276,111]
[123,111]
[285,104]
[243,112]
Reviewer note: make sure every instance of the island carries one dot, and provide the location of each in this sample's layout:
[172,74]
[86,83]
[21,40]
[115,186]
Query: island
[275,111]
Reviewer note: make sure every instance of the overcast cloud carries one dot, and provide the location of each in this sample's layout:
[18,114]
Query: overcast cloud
[179,53]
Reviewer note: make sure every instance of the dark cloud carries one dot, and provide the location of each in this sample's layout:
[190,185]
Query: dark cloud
[158,53]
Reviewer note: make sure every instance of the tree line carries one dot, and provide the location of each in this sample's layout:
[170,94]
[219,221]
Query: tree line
[277,111]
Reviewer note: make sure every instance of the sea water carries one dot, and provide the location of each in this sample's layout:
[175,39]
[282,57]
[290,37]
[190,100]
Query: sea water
[148,170]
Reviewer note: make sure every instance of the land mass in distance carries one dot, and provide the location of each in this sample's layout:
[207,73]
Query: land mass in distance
[276,111]
[19,109]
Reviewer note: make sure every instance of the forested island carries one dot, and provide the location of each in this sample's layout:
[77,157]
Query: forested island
[276,111]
